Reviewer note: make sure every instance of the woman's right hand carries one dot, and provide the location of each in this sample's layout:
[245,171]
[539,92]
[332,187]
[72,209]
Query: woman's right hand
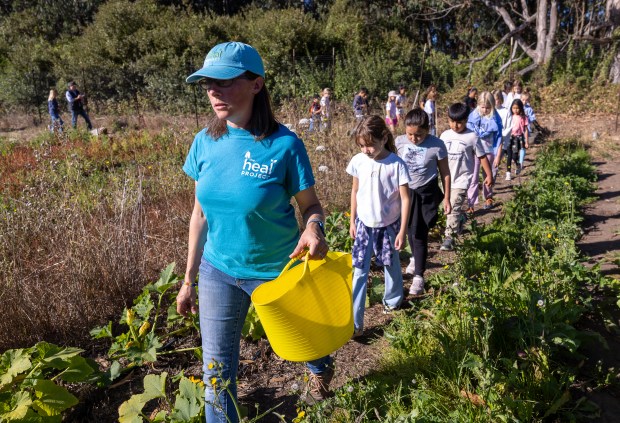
[186,300]
[352,230]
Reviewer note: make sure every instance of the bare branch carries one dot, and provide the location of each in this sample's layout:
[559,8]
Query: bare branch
[500,42]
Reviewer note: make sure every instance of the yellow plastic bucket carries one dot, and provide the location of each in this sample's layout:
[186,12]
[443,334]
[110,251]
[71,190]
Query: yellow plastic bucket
[307,311]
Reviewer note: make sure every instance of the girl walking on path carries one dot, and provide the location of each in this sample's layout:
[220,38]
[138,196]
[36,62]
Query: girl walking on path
[391,112]
[426,157]
[519,139]
[486,123]
[379,214]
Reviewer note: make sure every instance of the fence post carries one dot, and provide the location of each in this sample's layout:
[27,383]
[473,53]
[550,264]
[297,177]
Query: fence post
[334,68]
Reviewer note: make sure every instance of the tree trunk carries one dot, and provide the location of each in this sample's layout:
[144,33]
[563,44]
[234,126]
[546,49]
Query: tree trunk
[612,14]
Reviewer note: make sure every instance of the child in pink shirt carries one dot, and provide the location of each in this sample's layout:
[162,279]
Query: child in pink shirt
[518,140]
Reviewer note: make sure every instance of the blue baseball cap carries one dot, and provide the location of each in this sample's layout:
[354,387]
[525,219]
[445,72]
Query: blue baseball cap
[229,60]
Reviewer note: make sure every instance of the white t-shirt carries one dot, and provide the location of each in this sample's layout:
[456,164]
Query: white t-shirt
[512,96]
[462,148]
[505,115]
[421,159]
[325,106]
[506,102]
[378,194]
[390,109]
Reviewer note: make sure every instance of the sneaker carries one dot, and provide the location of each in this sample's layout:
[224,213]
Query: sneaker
[417,286]
[519,168]
[508,177]
[410,267]
[488,204]
[318,386]
[447,245]
[357,333]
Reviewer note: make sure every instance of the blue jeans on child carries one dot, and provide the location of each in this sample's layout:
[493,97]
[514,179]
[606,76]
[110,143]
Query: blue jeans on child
[393,295]
[224,302]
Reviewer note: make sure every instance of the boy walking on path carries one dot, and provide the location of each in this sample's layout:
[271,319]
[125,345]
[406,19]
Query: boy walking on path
[462,145]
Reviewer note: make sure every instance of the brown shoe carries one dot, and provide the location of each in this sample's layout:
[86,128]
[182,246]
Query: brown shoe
[318,386]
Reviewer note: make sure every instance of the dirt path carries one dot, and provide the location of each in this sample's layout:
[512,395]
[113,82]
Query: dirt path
[601,240]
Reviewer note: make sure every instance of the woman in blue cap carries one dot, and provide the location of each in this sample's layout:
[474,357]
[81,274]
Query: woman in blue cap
[246,167]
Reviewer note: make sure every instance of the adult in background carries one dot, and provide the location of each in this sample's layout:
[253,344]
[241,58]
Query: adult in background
[76,105]
[54,110]
[242,232]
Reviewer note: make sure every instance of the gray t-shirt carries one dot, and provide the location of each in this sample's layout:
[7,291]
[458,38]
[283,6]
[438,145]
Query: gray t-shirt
[421,159]
[462,148]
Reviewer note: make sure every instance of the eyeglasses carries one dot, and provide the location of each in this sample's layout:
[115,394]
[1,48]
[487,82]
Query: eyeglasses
[208,83]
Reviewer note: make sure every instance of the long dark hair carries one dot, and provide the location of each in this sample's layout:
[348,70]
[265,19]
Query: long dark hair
[262,122]
[519,104]
[373,128]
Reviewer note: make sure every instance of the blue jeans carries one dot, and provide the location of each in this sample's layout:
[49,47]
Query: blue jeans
[56,123]
[76,113]
[393,295]
[224,302]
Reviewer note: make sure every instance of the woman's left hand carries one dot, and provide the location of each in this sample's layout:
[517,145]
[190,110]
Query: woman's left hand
[313,240]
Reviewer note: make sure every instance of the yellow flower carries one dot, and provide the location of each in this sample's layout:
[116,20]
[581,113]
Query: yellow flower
[347,214]
[210,365]
[554,228]
[213,381]
[196,381]
[549,236]
[475,319]
[438,301]
[446,266]
[301,414]
[130,316]
[484,314]
[144,328]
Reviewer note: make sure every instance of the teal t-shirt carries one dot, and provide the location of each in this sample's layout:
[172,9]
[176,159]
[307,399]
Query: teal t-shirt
[245,187]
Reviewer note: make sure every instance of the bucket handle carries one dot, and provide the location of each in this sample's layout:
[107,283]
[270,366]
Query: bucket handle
[301,257]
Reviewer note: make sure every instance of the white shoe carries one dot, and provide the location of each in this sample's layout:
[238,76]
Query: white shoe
[508,177]
[417,286]
[410,267]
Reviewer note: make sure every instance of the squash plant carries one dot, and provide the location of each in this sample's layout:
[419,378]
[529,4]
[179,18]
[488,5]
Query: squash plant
[32,382]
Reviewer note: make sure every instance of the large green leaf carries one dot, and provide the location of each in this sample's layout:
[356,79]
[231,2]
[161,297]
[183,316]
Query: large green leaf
[51,398]
[54,356]
[12,363]
[166,279]
[79,370]
[130,410]
[19,409]
[154,387]
[151,344]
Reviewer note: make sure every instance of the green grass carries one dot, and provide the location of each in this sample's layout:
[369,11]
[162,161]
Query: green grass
[497,340]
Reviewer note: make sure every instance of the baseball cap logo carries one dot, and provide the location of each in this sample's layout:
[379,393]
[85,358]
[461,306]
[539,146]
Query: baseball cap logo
[215,55]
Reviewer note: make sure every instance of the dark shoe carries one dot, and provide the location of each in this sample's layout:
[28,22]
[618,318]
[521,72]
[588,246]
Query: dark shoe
[318,386]
[447,245]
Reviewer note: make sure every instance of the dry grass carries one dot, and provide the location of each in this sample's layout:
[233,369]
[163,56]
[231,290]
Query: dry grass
[85,224]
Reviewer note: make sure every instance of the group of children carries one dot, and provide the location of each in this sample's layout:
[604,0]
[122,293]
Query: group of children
[396,193]
[320,111]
